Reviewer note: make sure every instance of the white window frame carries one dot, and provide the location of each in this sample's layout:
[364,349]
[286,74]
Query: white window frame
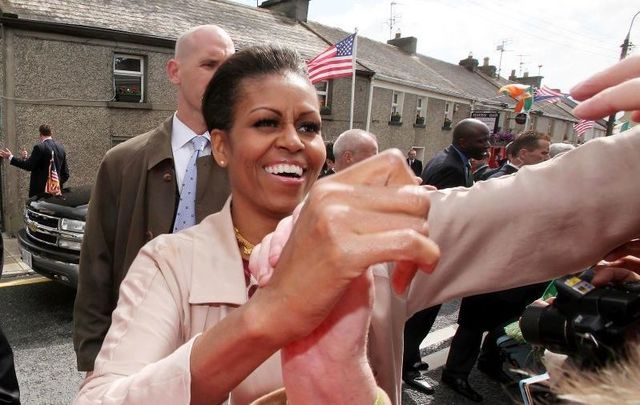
[397,100]
[448,110]
[324,93]
[421,108]
[129,73]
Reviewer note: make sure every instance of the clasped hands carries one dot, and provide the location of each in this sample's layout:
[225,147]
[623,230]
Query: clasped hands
[317,263]
[372,212]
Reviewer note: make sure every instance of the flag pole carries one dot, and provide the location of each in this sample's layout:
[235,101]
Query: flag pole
[353,77]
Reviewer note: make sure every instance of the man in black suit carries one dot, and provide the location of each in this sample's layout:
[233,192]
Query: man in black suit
[490,312]
[38,162]
[449,168]
[414,164]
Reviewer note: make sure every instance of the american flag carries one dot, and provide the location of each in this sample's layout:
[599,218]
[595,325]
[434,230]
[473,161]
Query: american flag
[548,95]
[53,182]
[582,126]
[335,61]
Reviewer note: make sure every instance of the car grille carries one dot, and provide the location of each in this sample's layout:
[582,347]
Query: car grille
[42,219]
[42,227]
[43,237]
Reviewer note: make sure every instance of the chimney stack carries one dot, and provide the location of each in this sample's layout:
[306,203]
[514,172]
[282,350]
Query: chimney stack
[408,44]
[470,64]
[487,69]
[295,9]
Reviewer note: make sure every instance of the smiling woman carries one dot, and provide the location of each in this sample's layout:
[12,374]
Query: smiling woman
[190,327]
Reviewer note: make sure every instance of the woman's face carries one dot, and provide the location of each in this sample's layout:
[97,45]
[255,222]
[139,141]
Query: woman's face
[274,150]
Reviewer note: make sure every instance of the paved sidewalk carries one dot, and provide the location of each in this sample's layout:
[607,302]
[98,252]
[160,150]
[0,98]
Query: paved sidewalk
[13,265]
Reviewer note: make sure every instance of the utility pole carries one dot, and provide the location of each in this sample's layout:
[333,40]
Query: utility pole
[623,54]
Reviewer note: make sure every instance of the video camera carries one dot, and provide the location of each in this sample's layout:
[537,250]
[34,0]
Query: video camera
[589,324]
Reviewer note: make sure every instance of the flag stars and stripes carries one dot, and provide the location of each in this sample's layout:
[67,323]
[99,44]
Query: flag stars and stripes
[336,61]
[583,126]
[548,95]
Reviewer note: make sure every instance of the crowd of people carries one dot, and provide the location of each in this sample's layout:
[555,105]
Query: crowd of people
[217,267]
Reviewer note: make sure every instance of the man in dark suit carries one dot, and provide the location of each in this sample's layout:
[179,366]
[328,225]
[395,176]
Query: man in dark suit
[414,164]
[449,168]
[38,162]
[490,312]
[137,195]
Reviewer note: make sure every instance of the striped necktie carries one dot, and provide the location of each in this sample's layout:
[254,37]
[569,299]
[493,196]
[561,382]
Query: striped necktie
[186,215]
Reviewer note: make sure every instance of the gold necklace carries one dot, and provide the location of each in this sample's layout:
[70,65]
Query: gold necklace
[246,247]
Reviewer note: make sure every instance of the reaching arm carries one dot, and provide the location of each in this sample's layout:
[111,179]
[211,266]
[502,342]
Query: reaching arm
[32,161]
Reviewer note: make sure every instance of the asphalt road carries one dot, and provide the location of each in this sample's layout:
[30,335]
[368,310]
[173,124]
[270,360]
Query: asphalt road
[37,319]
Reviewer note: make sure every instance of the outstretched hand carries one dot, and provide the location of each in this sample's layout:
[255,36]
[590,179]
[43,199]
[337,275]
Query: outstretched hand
[370,213]
[609,91]
[5,153]
[622,264]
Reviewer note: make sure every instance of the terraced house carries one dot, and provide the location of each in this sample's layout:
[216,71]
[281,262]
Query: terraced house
[94,70]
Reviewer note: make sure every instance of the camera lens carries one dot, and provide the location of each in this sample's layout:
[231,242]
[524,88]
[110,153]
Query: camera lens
[530,323]
[546,326]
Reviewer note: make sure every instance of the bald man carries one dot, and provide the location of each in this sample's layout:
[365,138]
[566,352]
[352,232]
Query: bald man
[138,190]
[352,146]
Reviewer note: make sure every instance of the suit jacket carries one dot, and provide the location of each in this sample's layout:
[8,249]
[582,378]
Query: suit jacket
[38,164]
[133,201]
[479,173]
[505,170]
[182,284]
[416,166]
[446,170]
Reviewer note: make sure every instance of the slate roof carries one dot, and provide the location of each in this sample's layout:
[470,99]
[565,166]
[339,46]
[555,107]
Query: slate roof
[477,86]
[249,25]
[389,62]
[169,18]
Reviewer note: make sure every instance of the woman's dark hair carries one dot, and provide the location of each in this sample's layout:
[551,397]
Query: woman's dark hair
[224,88]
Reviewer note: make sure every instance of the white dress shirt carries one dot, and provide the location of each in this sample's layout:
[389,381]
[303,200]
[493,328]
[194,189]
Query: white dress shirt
[182,148]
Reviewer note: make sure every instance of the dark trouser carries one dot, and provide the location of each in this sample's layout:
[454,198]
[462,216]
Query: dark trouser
[465,348]
[9,392]
[415,330]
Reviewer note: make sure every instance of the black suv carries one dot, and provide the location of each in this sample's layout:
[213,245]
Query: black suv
[54,227]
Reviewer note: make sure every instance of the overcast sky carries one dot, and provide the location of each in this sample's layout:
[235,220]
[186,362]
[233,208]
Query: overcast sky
[570,38]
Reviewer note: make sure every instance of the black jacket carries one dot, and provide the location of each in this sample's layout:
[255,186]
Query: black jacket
[446,170]
[38,164]
[416,166]
[505,170]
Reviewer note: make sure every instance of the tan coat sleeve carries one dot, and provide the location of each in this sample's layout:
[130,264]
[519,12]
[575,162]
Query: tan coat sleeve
[547,220]
[94,297]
